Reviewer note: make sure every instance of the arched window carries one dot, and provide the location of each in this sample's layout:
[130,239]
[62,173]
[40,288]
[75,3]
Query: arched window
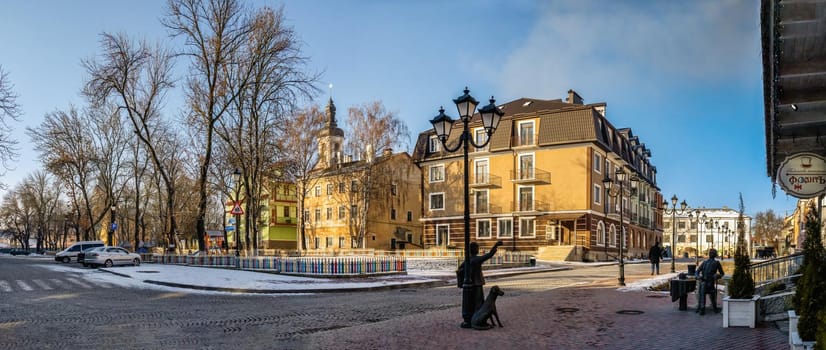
[600,233]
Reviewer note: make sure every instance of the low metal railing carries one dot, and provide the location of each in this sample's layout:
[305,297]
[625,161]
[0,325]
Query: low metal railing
[775,269]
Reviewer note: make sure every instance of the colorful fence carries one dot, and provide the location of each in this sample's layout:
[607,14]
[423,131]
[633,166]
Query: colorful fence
[311,266]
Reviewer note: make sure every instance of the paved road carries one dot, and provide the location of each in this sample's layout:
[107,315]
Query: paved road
[41,308]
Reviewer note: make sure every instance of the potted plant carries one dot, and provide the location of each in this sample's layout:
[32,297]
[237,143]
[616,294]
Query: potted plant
[740,305]
[809,297]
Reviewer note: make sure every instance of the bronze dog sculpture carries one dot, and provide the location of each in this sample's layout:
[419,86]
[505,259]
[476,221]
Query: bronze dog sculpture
[487,311]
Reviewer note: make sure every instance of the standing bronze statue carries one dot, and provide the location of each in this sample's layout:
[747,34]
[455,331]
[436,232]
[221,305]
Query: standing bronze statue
[476,277]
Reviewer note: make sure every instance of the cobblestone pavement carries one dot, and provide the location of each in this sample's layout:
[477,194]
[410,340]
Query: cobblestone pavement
[571,309]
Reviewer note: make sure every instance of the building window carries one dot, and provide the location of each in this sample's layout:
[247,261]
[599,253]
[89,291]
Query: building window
[681,225]
[329,213]
[597,162]
[354,211]
[526,166]
[394,189]
[526,134]
[527,228]
[481,201]
[483,228]
[342,212]
[329,242]
[306,216]
[392,213]
[354,186]
[600,233]
[409,216]
[504,228]
[329,189]
[287,212]
[317,215]
[316,242]
[342,187]
[318,191]
[437,173]
[667,224]
[341,242]
[526,198]
[434,145]
[597,193]
[481,171]
[437,201]
[442,235]
[612,235]
[480,137]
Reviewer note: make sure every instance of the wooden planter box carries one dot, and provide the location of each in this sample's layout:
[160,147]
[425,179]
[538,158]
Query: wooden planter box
[740,312]
[795,342]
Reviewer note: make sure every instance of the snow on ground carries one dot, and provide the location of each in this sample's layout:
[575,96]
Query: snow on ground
[646,284]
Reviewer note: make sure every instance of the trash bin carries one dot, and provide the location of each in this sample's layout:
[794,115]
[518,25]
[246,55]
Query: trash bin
[692,269]
[685,255]
[533,261]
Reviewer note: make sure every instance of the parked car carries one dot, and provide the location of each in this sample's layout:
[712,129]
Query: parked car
[110,256]
[82,255]
[67,254]
[16,252]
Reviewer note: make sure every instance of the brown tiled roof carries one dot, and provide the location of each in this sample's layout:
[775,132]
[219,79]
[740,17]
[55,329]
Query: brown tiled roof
[566,127]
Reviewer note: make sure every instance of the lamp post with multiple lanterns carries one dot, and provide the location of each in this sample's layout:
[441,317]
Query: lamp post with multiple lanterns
[698,221]
[442,125]
[620,177]
[673,212]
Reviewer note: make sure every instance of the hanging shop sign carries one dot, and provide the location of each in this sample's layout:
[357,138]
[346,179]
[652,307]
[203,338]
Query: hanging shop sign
[803,175]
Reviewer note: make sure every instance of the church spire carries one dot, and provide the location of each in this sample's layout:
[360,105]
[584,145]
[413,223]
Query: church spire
[330,111]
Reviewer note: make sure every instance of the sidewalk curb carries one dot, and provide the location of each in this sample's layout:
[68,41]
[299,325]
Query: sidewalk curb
[424,284]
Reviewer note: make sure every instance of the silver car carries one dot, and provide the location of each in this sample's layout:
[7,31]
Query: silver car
[110,256]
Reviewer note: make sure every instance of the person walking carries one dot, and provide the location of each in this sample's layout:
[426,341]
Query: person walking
[707,274]
[477,279]
[654,255]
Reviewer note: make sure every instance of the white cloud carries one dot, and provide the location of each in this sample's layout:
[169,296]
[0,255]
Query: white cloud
[604,47]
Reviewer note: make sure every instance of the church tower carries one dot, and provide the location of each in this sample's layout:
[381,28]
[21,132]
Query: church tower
[330,139]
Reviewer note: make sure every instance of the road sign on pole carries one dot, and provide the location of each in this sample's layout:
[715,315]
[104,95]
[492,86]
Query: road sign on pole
[236,210]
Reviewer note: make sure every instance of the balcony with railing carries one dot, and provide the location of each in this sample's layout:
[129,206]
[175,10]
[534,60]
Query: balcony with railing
[529,206]
[485,181]
[531,175]
[486,209]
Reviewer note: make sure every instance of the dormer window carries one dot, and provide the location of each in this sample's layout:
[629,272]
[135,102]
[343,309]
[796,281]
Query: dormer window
[434,145]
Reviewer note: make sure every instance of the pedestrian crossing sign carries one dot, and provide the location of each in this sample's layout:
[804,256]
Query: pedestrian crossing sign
[236,210]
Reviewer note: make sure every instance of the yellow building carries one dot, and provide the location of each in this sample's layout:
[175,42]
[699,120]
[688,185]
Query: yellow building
[368,203]
[538,184]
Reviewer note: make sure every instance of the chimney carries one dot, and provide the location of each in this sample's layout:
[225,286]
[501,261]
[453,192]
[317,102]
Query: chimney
[387,151]
[574,98]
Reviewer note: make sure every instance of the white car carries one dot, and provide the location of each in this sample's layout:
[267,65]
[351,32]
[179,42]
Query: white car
[110,256]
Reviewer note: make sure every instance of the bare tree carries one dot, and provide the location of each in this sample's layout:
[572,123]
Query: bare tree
[300,151]
[214,30]
[373,130]
[136,78]
[65,141]
[38,192]
[269,83]
[9,111]
[767,225]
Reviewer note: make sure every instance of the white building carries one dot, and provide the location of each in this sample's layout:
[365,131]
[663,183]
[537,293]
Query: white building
[715,227]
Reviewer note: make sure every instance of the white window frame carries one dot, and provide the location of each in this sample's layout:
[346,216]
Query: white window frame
[479,228]
[499,227]
[531,234]
[532,174]
[434,145]
[600,233]
[476,193]
[447,234]
[598,163]
[486,175]
[484,134]
[519,198]
[430,173]
[597,194]
[430,200]
[533,132]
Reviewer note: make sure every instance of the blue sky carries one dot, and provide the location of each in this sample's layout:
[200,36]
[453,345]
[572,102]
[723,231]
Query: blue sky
[685,76]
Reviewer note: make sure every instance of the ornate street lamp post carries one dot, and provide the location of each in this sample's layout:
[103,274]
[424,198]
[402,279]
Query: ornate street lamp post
[442,125]
[698,221]
[614,192]
[673,212]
